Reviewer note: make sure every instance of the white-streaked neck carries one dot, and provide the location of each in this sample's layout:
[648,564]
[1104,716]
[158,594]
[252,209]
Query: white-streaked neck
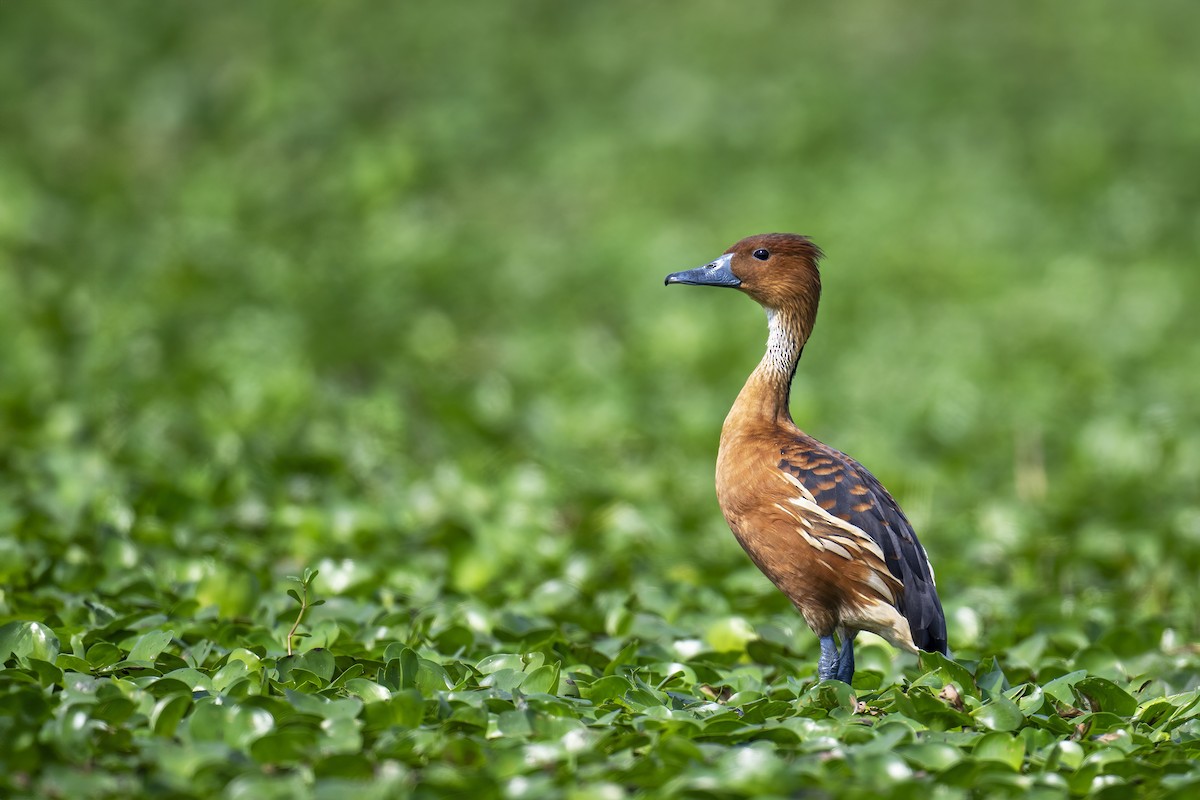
[783,347]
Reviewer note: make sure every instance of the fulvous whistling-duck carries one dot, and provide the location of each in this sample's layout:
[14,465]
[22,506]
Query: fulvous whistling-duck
[814,520]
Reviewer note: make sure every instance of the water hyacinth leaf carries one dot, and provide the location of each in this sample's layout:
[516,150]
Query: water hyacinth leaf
[354,767]
[351,672]
[543,680]
[513,724]
[1154,712]
[319,662]
[48,674]
[990,678]
[950,671]
[206,723]
[931,756]
[251,660]
[28,640]
[431,677]
[1105,695]
[604,689]
[395,650]
[102,655]
[1060,688]
[499,661]
[166,686]
[340,735]
[468,718]
[1000,714]
[1002,747]
[195,680]
[1102,722]
[368,691]
[401,668]
[504,680]
[112,710]
[284,745]
[73,663]
[304,702]
[229,674]
[314,667]
[830,695]
[1031,699]
[404,709]
[149,645]
[1100,662]
[626,655]
[168,712]
[730,635]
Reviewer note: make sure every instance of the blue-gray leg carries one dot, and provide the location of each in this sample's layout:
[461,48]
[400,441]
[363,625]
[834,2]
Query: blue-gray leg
[827,664]
[845,670]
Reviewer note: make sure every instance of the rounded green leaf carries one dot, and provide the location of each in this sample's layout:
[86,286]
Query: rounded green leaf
[28,640]
[931,756]
[605,688]
[1107,696]
[1000,714]
[543,680]
[1002,747]
[367,691]
[167,713]
[149,645]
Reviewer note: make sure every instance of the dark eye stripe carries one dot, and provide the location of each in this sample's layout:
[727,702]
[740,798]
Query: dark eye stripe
[761,255]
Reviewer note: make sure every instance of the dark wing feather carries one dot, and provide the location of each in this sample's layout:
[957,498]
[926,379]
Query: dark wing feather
[845,488]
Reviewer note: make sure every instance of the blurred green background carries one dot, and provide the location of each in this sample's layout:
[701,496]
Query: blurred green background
[378,288]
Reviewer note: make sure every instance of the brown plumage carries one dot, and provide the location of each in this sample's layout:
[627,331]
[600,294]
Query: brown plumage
[814,520]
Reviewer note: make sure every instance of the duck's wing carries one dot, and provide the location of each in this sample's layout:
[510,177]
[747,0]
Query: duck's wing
[846,490]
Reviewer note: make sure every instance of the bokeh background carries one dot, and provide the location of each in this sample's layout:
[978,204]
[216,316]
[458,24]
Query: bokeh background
[378,289]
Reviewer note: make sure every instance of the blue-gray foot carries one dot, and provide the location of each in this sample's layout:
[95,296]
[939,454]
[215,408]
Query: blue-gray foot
[827,664]
[845,670]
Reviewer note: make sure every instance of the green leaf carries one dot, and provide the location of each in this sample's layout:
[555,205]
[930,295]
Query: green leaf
[1000,714]
[404,709]
[354,767]
[149,645]
[1001,747]
[505,680]
[48,674]
[604,689]
[318,663]
[66,661]
[1107,696]
[950,671]
[351,672]
[403,665]
[102,655]
[28,640]
[499,661]
[543,680]
[229,674]
[514,724]
[1060,688]
[931,756]
[368,691]
[168,712]
[284,746]
[194,679]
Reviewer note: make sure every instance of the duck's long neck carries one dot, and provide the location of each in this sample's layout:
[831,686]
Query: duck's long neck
[764,398]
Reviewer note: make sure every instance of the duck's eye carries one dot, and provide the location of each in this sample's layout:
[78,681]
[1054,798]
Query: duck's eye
[761,255]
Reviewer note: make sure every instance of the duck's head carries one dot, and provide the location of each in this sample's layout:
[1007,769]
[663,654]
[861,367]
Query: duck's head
[779,270]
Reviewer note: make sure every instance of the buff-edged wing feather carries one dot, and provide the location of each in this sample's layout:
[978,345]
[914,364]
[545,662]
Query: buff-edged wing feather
[847,490]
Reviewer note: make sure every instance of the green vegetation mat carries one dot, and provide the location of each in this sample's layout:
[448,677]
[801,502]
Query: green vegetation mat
[371,294]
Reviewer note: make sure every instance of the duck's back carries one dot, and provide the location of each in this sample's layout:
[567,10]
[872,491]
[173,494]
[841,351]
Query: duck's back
[829,535]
